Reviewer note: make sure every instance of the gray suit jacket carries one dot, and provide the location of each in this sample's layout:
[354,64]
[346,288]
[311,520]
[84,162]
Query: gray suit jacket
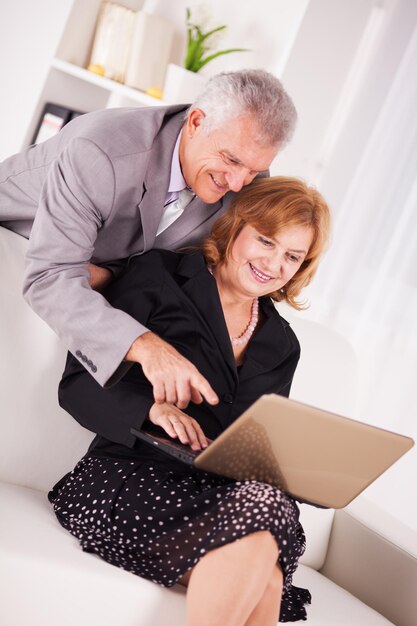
[95,192]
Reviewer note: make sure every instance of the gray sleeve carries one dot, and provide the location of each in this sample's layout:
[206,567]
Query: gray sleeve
[76,198]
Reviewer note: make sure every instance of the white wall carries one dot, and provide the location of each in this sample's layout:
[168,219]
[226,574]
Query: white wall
[29,35]
[316,72]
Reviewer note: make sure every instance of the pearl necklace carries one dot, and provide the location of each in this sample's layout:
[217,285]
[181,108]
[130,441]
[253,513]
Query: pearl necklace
[247,334]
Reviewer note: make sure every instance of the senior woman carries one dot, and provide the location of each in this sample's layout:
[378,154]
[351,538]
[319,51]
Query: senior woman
[234,544]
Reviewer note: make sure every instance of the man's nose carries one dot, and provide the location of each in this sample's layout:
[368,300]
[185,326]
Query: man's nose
[236,179]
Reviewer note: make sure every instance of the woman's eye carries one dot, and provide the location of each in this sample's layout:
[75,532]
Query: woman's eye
[265,242]
[293,258]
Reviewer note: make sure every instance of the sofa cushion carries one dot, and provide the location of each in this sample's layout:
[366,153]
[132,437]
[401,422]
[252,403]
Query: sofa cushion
[333,606]
[46,578]
[317,524]
[39,441]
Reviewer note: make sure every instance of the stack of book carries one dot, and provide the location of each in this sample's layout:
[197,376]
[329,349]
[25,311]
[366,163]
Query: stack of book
[131,47]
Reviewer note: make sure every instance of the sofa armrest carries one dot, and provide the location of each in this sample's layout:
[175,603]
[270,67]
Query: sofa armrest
[374,556]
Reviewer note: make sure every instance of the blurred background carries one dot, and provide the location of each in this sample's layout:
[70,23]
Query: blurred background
[350,68]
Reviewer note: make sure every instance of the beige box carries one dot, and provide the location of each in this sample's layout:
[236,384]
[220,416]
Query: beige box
[112,41]
[149,51]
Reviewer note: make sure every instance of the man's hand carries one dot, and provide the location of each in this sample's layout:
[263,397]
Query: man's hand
[99,276]
[175,380]
[178,424]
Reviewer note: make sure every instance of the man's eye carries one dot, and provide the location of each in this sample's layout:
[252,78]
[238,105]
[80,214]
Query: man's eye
[229,160]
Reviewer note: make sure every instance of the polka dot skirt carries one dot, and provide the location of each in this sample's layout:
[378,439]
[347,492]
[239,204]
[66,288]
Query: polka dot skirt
[157,523]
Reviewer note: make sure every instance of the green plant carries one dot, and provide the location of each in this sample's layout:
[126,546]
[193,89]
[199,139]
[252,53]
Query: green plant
[197,46]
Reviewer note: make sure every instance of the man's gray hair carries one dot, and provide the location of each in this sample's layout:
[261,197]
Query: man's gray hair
[255,92]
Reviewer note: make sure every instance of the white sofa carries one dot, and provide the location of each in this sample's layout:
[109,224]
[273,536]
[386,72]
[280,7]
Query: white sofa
[356,558]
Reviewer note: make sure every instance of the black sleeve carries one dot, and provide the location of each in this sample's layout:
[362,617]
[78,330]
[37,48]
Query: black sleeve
[116,267]
[109,412]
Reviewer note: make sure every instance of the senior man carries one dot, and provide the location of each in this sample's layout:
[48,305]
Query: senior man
[119,182]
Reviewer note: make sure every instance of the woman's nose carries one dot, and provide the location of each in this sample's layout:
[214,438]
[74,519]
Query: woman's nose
[275,264]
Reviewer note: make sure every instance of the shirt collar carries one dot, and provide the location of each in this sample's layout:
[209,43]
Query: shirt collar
[176,182]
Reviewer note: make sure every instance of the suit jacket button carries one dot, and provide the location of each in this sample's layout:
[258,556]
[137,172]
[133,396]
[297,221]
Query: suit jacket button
[84,358]
[228,398]
[93,368]
[89,363]
[78,353]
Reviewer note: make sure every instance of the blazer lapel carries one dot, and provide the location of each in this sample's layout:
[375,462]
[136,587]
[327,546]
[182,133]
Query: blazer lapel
[157,177]
[259,356]
[201,289]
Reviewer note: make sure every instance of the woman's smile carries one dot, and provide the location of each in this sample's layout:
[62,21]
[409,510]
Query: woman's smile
[259,276]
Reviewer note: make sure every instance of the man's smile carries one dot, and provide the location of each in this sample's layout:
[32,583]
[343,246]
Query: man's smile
[221,187]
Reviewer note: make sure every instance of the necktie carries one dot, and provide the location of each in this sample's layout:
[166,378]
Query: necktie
[174,209]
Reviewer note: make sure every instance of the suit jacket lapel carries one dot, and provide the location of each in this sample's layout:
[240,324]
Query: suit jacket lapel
[157,177]
[195,214]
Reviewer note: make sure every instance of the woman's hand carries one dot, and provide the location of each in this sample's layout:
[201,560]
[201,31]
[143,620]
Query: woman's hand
[178,424]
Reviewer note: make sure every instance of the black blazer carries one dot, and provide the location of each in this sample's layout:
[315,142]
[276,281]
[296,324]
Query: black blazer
[175,296]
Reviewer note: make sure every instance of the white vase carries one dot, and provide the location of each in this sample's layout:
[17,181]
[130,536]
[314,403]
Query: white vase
[182,86]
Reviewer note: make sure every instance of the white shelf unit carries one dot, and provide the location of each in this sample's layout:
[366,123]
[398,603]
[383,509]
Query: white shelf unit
[68,83]
[118,94]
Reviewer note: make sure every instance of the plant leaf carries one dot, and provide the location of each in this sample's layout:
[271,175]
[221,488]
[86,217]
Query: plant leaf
[193,52]
[194,59]
[211,32]
[217,54]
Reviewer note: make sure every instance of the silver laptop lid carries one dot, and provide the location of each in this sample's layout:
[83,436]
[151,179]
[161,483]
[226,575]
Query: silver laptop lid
[313,454]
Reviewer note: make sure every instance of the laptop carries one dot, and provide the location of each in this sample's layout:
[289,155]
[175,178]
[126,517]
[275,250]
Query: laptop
[316,456]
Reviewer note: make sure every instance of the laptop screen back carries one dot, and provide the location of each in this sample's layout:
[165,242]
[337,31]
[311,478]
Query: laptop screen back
[315,455]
